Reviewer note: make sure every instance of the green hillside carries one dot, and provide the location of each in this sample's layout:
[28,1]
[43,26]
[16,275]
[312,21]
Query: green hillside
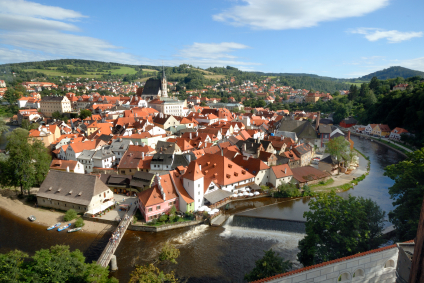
[393,73]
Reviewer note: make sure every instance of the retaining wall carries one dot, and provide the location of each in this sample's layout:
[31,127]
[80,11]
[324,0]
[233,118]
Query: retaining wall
[374,140]
[165,227]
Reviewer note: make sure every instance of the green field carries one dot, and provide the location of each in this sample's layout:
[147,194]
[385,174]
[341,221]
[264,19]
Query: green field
[121,71]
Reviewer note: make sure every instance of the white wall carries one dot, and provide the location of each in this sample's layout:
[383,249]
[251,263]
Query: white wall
[368,268]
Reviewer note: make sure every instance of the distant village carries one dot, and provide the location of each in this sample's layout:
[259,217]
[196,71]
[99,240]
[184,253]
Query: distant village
[169,152]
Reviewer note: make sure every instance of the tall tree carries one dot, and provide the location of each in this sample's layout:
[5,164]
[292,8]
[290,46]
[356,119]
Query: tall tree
[269,265]
[337,227]
[28,162]
[3,127]
[374,83]
[338,148]
[407,194]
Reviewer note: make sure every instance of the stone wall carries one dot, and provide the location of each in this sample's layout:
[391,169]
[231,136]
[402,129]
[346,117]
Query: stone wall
[373,266]
[165,227]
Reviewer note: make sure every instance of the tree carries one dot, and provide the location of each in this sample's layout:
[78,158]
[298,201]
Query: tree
[71,214]
[85,113]
[3,127]
[407,193]
[150,273]
[79,222]
[269,265]
[374,83]
[28,162]
[337,227]
[338,148]
[57,264]
[57,115]
[202,103]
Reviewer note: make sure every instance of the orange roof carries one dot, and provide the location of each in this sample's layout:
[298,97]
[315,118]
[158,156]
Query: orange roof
[153,195]
[63,164]
[80,146]
[399,130]
[193,172]
[176,178]
[282,171]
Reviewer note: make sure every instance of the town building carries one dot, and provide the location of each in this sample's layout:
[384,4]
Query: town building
[65,190]
[51,104]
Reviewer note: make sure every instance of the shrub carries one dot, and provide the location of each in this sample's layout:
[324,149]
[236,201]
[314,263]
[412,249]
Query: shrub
[79,222]
[180,219]
[135,219]
[70,215]
[286,191]
[163,218]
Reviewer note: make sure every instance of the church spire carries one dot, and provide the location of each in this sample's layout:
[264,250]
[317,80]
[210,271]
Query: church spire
[164,83]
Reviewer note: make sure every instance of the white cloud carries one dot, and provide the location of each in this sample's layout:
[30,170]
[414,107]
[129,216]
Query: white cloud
[211,50]
[392,36]
[20,23]
[31,9]
[212,54]
[289,14]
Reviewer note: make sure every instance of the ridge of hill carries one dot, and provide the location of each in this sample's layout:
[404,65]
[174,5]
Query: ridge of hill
[392,73]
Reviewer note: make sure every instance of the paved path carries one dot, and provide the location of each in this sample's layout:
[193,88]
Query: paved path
[342,179]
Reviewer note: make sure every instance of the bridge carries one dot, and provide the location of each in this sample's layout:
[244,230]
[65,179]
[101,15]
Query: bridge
[107,255]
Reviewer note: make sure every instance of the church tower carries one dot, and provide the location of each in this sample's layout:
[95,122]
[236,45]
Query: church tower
[164,84]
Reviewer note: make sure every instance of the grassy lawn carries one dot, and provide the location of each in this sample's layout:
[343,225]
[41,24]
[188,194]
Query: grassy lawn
[320,185]
[167,223]
[150,70]
[393,145]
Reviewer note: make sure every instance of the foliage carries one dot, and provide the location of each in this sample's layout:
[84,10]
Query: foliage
[28,162]
[84,113]
[338,148]
[407,194]
[71,214]
[152,274]
[338,227]
[169,253]
[57,264]
[307,192]
[27,125]
[3,127]
[79,222]
[392,73]
[269,265]
[286,191]
[172,213]
[163,218]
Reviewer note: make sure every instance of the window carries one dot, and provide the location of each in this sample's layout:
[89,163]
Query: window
[198,185]
[158,207]
[389,264]
[150,209]
[344,277]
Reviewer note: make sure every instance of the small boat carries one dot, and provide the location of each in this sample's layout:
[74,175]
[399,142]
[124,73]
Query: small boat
[74,230]
[31,218]
[64,227]
[54,226]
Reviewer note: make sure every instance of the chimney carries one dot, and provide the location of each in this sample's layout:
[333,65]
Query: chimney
[348,135]
[67,169]
[190,136]
[317,120]
[143,144]
[244,147]
[200,167]
[142,155]
[285,170]
[188,156]
[136,143]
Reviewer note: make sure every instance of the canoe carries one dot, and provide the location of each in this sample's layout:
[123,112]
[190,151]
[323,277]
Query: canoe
[74,230]
[64,227]
[54,226]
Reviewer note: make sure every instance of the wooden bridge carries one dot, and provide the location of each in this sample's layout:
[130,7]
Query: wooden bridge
[109,251]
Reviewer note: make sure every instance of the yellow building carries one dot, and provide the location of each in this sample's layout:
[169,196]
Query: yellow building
[46,134]
[381,130]
[51,104]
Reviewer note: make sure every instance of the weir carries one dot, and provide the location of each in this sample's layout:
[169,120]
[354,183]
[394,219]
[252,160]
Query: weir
[266,224]
[108,253]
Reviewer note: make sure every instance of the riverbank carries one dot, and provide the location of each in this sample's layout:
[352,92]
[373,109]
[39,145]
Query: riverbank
[22,209]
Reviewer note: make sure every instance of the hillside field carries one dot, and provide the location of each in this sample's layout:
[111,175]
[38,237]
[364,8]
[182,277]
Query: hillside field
[51,71]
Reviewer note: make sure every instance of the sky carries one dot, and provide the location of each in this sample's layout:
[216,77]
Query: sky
[335,38]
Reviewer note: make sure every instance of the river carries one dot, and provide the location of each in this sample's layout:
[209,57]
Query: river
[208,254]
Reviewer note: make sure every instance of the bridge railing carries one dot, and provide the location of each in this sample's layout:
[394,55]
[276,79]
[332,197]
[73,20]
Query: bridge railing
[114,241]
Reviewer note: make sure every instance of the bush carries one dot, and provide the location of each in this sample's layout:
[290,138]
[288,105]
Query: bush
[307,192]
[79,222]
[70,215]
[135,219]
[286,191]
[163,218]
[180,219]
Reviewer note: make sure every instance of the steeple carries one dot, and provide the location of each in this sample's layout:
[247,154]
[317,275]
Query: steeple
[164,83]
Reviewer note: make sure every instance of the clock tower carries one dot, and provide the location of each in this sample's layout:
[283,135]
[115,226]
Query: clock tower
[164,84]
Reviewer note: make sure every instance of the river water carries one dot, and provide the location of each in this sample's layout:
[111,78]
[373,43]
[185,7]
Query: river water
[208,254]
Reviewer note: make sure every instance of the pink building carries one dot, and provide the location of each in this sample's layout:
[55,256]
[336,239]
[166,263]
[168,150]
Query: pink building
[158,199]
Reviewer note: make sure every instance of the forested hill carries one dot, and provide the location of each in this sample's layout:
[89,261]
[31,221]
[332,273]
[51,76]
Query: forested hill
[393,73]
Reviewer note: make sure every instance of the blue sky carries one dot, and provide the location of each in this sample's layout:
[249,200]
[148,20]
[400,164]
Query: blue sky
[343,38]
